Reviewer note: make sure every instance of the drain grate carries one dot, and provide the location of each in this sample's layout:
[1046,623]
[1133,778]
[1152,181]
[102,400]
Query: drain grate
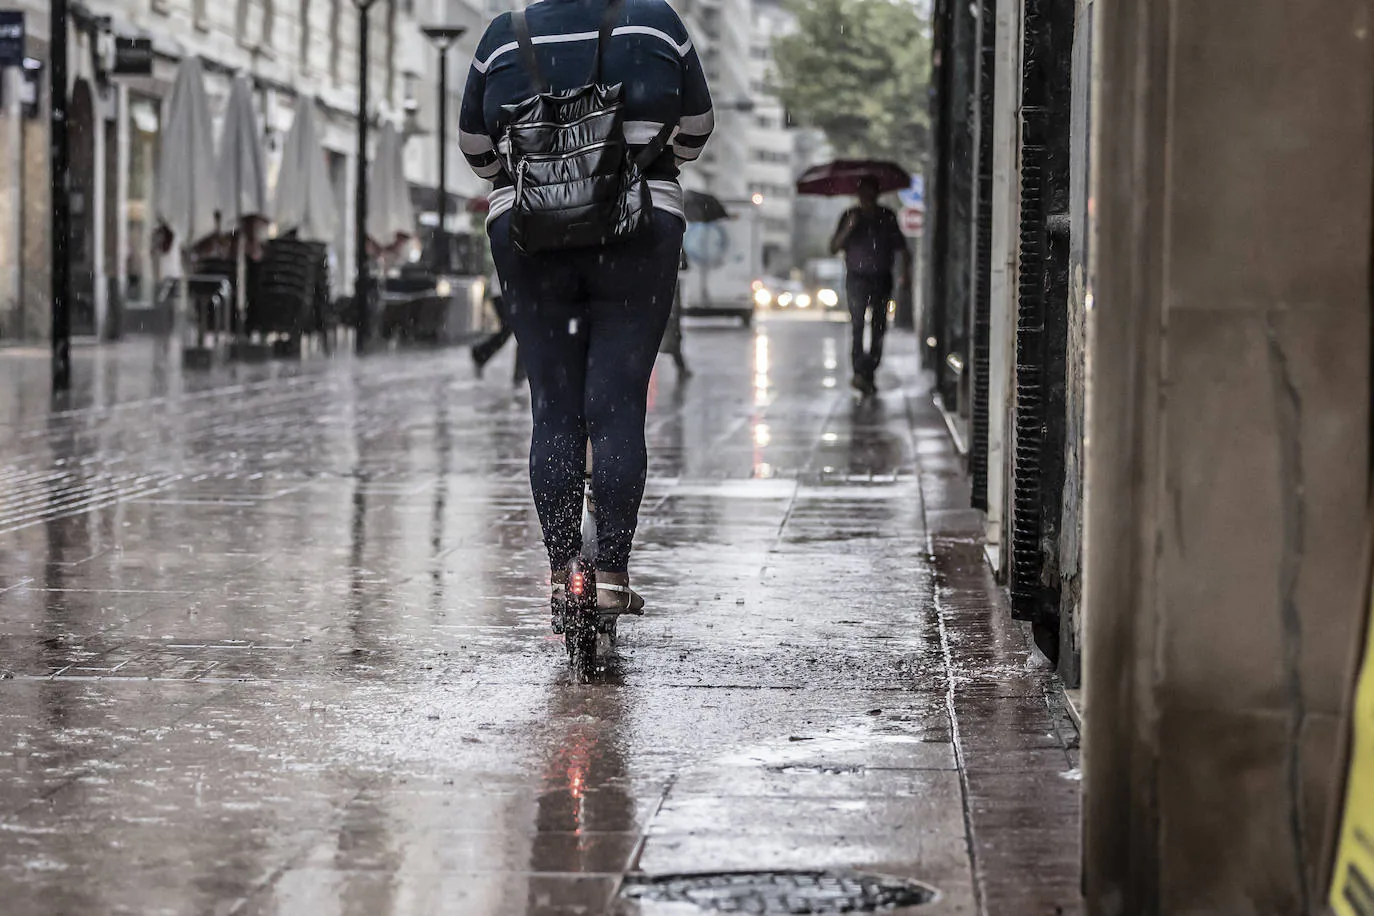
[781,893]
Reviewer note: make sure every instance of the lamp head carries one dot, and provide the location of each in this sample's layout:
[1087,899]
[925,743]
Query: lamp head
[444,36]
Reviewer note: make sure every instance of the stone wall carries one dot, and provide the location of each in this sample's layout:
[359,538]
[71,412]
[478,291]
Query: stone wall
[1228,448]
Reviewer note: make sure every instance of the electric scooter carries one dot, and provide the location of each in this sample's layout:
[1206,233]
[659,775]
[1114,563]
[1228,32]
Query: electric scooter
[589,632]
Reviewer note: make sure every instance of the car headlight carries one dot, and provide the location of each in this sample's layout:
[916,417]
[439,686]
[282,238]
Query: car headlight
[784,299]
[443,288]
[762,296]
[828,298]
[803,300]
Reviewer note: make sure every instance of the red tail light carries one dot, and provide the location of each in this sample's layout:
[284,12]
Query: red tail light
[577,584]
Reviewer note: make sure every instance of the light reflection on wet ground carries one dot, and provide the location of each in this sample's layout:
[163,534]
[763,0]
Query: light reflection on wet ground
[273,642]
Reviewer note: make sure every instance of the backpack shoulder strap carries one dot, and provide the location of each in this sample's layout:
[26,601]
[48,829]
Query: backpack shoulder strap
[609,19]
[527,56]
[655,147]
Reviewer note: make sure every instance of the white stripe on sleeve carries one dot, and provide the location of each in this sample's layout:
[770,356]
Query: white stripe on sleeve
[487,171]
[698,125]
[474,144]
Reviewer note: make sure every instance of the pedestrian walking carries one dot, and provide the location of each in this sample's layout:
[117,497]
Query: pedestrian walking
[580,112]
[871,239]
[485,350]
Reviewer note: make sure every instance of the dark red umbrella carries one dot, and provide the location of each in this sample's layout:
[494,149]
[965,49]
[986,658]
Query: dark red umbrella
[842,177]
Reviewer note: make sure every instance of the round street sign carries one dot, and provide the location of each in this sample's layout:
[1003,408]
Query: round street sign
[913,222]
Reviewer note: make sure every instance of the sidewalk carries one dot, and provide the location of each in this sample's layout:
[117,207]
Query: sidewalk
[273,643]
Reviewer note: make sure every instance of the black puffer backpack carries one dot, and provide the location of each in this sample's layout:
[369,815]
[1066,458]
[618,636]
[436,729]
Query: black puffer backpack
[576,184]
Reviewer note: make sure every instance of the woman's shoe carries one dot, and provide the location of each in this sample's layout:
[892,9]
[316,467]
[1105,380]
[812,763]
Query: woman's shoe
[614,595]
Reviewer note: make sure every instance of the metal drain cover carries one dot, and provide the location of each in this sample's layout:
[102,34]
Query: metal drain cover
[769,893]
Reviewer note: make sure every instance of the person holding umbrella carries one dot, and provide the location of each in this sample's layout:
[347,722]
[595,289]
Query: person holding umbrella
[872,240]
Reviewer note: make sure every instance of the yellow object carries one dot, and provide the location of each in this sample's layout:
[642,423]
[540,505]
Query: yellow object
[1352,881]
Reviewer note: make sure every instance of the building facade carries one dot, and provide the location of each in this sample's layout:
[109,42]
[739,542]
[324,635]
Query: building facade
[291,52]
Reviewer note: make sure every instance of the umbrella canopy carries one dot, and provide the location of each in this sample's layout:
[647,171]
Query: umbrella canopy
[842,177]
[242,180]
[390,214]
[305,201]
[186,175]
[703,208]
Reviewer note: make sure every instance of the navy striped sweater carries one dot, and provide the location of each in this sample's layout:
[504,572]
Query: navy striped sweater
[650,53]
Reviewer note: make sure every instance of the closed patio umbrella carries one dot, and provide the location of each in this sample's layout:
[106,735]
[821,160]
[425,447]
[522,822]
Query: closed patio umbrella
[242,177]
[186,201]
[305,200]
[390,214]
[185,189]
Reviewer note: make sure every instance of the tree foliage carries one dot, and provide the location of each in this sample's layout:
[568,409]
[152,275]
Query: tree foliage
[858,71]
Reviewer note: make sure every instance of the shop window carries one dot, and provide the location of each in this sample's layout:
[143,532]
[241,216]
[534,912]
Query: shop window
[269,22]
[391,49]
[140,209]
[335,48]
[303,51]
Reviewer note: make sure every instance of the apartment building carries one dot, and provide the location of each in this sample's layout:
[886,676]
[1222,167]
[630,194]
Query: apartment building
[772,153]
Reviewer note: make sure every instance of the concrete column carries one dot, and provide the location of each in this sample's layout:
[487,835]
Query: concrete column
[1227,446]
[1006,203]
[348,255]
[97,205]
[121,178]
[36,214]
[11,206]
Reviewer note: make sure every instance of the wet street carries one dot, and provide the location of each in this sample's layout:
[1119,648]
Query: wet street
[274,640]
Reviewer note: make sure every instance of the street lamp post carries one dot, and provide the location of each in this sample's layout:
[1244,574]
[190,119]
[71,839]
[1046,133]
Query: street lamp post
[444,37]
[362,280]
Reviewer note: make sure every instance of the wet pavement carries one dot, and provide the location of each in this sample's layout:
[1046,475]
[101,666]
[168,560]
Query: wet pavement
[273,641]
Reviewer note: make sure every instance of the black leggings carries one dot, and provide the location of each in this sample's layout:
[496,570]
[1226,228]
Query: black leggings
[588,323]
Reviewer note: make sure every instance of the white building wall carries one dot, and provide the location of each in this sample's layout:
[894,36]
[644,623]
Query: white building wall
[772,166]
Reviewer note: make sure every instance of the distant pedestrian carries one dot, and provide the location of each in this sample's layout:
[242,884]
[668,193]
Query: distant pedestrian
[485,350]
[871,239]
[580,112]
